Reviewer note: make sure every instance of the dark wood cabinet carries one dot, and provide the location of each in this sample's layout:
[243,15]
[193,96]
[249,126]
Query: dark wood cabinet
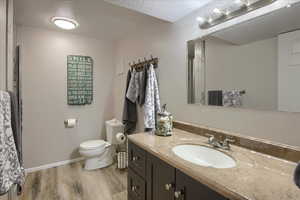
[136,186]
[137,159]
[189,189]
[150,178]
[161,179]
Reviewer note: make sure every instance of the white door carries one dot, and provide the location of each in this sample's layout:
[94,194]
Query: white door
[289,72]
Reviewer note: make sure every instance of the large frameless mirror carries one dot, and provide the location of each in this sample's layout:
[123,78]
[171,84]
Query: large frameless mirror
[253,65]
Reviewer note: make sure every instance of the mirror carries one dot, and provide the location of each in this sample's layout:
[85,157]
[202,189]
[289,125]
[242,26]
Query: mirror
[253,65]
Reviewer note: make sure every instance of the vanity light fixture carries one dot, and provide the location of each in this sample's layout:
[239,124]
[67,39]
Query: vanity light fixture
[248,3]
[200,19]
[65,23]
[217,11]
[238,2]
[221,12]
[227,13]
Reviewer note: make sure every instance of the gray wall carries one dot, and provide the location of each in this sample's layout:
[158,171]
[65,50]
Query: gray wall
[44,76]
[168,42]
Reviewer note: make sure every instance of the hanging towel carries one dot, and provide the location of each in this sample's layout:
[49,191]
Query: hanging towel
[11,171]
[297,175]
[16,125]
[232,98]
[142,85]
[133,87]
[215,98]
[152,101]
[129,111]
[137,86]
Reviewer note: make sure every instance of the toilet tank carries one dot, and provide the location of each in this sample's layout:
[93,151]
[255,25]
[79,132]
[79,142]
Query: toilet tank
[113,127]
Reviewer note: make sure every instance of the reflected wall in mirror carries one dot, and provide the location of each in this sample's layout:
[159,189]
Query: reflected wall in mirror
[253,65]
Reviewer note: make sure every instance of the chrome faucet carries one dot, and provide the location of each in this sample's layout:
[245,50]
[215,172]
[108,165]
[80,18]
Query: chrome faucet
[226,142]
[213,141]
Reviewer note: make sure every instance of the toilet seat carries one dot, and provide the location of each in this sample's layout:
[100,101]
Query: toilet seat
[94,144]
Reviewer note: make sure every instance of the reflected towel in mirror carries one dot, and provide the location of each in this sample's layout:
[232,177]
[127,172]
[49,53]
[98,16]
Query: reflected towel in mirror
[232,98]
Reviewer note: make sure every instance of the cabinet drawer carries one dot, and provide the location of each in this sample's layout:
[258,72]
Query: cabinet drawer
[137,159]
[136,186]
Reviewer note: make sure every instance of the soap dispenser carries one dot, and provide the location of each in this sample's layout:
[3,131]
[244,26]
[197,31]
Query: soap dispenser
[164,122]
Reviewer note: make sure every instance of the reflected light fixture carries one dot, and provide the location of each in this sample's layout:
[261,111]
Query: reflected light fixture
[65,23]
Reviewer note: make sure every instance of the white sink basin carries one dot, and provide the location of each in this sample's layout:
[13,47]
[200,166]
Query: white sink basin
[204,156]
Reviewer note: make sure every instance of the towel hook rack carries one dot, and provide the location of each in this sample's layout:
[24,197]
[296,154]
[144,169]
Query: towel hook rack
[140,64]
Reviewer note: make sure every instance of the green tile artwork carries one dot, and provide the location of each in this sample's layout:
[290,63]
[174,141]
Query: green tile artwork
[80,80]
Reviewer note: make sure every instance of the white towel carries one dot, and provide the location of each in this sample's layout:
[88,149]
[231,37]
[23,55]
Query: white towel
[152,101]
[11,171]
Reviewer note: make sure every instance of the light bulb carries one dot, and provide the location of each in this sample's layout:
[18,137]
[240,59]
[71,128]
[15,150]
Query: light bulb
[65,23]
[217,11]
[200,19]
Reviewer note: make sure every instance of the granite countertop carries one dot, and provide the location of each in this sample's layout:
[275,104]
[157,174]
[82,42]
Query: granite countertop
[256,177]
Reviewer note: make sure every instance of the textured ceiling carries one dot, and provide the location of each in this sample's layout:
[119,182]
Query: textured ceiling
[169,10]
[97,19]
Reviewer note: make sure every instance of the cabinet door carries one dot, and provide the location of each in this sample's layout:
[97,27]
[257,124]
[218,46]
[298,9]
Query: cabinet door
[136,186]
[160,179]
[137,159]
[190,189]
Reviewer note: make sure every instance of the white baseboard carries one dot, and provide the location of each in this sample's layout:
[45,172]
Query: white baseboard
[51,165]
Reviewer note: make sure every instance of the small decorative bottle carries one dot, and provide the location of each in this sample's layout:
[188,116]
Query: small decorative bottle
[164,122]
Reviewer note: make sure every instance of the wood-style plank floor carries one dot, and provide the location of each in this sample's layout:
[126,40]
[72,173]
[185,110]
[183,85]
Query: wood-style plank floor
[72,182]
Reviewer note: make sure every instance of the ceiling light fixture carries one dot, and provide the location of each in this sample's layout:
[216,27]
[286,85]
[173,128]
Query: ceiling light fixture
[65,23]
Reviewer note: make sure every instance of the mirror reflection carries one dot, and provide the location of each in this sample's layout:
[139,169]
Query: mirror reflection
[253,65]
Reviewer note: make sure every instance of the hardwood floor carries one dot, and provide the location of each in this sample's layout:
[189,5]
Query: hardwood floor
[4,197]
[72,182]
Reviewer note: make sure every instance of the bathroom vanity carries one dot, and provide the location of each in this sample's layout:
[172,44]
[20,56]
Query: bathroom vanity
[149,177]
[157,173]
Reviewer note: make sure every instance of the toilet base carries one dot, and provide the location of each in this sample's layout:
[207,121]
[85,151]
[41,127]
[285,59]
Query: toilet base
[97,162]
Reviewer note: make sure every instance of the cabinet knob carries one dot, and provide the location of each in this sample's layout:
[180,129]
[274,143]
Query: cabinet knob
[135,158]
[178,194]
[134,188]
[168,186]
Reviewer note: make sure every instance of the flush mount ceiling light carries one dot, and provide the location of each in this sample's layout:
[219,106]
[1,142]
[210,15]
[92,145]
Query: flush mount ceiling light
[65,23]
[230,11]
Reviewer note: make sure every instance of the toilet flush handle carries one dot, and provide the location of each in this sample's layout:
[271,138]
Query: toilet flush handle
[107,145]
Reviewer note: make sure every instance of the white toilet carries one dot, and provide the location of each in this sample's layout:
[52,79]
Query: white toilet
[100,153]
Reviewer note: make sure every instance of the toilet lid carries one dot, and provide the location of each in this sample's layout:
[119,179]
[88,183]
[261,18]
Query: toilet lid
[93,144]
